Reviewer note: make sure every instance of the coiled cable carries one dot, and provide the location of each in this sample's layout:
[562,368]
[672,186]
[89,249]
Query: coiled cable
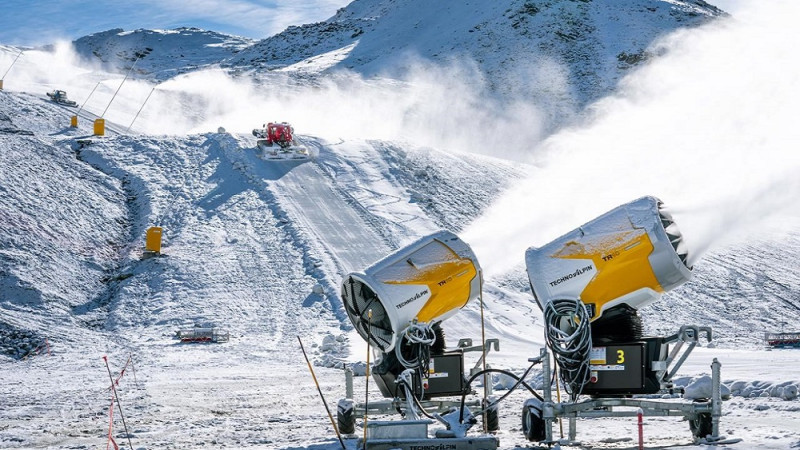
[569,337]
[417,340]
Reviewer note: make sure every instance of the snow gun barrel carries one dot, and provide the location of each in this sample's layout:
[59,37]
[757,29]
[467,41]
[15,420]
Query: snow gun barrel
[427,281]
[629,255]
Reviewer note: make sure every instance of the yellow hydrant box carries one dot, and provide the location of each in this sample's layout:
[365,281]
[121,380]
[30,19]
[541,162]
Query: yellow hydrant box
[153,240]
[100,127]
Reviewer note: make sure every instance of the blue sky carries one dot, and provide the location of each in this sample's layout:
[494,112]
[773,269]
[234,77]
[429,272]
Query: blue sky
[35,22]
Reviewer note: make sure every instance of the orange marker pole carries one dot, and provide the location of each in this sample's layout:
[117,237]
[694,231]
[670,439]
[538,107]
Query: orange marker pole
[114,390]
[640,419]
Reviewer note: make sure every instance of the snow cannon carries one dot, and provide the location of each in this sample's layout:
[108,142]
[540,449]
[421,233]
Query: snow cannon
[397,305]
[626,258]
[601,274]
[425,282]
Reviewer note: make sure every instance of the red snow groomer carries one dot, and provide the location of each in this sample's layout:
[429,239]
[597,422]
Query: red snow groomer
[276,141]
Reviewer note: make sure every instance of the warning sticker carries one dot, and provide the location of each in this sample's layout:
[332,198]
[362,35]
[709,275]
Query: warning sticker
[438,375]
[607,367]
[597,355]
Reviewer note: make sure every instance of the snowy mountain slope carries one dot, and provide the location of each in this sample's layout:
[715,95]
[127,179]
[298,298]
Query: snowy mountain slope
[449,188]
[59,245]
[742,292]
[248,245]
[243,253]
[553,51]
[163,53]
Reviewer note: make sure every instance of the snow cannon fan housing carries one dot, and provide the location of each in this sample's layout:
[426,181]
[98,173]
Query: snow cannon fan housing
[428,281]
[628,256]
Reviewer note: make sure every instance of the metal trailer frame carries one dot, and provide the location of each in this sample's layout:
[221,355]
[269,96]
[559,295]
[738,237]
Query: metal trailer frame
[391,406]
[782,340]
[604,407]
[210,334]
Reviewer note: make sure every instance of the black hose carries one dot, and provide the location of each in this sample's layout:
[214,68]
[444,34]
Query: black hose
[520,380]
[416,400]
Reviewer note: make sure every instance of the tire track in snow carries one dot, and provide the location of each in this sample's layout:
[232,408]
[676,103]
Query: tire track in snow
[331,235]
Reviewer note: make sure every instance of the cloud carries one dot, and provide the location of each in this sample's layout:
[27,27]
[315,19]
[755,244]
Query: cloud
[45,21]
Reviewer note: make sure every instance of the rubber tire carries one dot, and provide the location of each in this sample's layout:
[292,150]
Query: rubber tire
[532,424]
[492,416]
[702,426]
[346,417]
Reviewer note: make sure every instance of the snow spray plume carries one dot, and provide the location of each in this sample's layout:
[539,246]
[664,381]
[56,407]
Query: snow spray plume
[60,67]
[55,66]
[708,125]
[447,107]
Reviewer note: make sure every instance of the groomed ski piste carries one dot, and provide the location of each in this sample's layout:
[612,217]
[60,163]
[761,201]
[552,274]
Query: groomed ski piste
[259,248]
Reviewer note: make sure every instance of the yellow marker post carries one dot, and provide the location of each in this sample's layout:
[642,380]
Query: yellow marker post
[100,127]
[73,121]
[153,240]
[1,85]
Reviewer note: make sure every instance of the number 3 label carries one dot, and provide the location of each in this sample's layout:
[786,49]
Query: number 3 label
[620,356]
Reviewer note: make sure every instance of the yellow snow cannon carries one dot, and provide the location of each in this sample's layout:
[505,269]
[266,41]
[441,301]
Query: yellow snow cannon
[627,256]
[590,284]
[397,305]
[424,283]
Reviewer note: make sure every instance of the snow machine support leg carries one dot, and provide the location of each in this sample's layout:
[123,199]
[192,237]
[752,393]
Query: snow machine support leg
[547,394]
[348,383]
[573,428]
[716,398]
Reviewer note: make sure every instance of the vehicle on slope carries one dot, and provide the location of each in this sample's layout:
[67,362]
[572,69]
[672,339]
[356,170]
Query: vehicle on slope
[200,334]
[60,97]
[276,141]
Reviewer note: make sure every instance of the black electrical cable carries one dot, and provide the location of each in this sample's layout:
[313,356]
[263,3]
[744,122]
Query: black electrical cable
[520,380]
[568,335]
[419,405]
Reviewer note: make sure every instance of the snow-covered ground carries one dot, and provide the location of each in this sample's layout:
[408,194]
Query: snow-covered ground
[259,249]
[245,242]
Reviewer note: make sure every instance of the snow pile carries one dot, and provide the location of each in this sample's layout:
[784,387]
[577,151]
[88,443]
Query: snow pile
[786,390]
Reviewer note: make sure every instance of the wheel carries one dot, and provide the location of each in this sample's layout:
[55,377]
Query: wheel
[532,423]
[701,426]
[492,415]
[346,416]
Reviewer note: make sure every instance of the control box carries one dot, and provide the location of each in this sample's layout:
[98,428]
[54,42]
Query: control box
[625,368]
[445,377]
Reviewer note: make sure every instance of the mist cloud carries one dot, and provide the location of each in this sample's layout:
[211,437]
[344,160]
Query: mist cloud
[709,126]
